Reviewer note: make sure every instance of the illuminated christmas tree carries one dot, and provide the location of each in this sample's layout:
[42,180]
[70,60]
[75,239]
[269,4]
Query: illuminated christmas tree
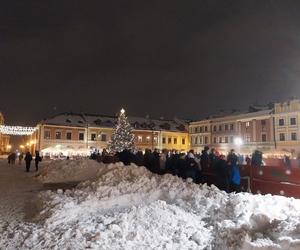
[122,137]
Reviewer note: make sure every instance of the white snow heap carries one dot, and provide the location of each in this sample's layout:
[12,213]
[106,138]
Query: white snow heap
[131,208]
[122,137]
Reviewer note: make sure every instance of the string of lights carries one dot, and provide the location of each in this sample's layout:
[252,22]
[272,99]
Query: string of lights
[16,130]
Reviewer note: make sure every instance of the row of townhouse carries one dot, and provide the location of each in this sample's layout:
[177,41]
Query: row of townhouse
[72,133]
[273,130]
[4,139]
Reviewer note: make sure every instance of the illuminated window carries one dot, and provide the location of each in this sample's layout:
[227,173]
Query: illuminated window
[57,135]
[69,135]
[155,139]
[47,135]
[148,139]
[140,139]
[196,140]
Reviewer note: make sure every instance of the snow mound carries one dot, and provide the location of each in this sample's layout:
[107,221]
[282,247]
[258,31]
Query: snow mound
[60,171]
[127,207]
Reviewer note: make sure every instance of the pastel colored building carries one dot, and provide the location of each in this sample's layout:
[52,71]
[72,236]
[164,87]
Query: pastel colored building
[4,139]
[75,134]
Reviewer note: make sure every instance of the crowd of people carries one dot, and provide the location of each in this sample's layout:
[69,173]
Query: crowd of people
[189,165]
[27,157]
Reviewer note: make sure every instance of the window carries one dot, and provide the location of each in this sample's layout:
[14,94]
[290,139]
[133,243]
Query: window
[263,123]
[281,122]
[226,127]
[69,135]
[231,127]
[248,138]
[201,129]
[247,124]
[263,137]
[93,137]
[282,137]
[103,137]
[155,139]
[57,135]
[215,128]
[220,127]
[205,128]
[196,140]
[175,140]
[164,140]
[148,138]
[220,139]
[293,121]
[140,138]
[183,141]
[226,139]
[81,136]
[200,140]
[215,139]
[231,139]
[205,140]
[47,135]
[294,136]
[169,140]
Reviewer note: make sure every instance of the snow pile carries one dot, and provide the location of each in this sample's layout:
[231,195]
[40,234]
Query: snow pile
[60,171]
[131,208]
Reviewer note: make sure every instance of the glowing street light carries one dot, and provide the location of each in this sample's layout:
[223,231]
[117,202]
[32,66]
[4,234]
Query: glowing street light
[22,146]
[122,111]
[238,141]
[8,147]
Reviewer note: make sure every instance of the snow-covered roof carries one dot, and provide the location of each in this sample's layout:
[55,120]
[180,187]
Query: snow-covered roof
[107,121]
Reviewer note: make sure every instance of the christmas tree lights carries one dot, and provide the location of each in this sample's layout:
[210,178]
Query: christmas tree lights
[122,137]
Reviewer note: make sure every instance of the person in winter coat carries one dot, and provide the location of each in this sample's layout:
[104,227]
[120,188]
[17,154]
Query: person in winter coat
[37,160]
[235,176]
[28,159]
[204,160]
[222,174]
[213,159]
[191,166]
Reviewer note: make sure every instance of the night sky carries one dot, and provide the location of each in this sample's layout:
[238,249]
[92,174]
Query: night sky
[163,58]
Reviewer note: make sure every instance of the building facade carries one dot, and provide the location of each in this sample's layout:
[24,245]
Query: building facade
[4,139]
[274,131]
[79,134]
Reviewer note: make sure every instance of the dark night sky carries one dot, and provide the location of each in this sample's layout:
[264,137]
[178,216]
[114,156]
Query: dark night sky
[162,58]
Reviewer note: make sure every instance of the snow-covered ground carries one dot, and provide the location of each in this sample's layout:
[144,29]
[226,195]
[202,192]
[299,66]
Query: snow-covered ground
[127,207]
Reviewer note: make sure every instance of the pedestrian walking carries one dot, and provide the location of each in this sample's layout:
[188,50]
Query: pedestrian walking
[28,159]
[37,159]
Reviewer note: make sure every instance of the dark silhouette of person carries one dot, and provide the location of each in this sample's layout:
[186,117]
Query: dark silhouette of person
[37,159]
[28,159]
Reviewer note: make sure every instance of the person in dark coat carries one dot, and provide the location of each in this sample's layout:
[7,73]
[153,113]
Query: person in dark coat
[222,174]
[235,176]
[191,167]
[212,158]
[28,159]
[204,159]
[37,160]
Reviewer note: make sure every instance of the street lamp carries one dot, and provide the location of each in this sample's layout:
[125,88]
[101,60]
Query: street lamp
[238,141]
